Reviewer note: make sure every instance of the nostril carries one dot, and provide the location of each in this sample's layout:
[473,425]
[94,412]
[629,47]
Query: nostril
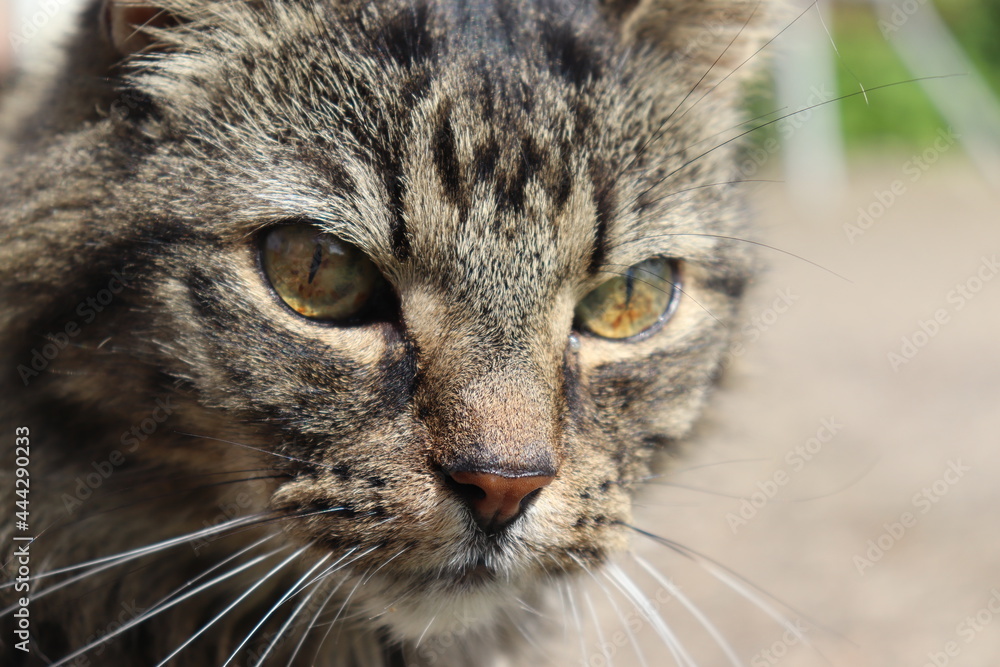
[469,493]
[496,500]
[530,497]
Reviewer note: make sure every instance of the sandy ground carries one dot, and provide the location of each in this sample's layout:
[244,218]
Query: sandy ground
[872,482]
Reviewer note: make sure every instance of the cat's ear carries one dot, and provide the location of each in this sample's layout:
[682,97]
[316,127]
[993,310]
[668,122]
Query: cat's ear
[126,22]
[699,30]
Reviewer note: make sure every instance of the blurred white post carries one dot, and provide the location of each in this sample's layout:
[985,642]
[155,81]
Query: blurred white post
[6,56]
[34,27]
[805,75]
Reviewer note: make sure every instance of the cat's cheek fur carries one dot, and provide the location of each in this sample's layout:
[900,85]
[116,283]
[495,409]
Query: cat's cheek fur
[687,351]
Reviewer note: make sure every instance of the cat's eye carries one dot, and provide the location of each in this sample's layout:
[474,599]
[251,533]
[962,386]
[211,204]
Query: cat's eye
[318,275]
[638,299]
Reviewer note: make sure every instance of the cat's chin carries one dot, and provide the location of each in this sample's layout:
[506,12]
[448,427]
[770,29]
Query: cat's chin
[467,601]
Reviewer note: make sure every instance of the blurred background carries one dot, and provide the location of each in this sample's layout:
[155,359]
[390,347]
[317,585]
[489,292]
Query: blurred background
[849,467]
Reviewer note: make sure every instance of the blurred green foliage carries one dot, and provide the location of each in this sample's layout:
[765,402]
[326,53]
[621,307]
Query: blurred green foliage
[976,24]
[901,117]
[897,117]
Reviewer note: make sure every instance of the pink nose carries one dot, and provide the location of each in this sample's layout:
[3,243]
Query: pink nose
[496,500]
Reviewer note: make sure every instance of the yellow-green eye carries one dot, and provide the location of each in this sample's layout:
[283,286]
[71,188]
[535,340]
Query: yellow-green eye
[638,299]
[318,275]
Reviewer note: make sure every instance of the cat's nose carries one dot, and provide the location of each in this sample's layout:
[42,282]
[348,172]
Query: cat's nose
[496,500]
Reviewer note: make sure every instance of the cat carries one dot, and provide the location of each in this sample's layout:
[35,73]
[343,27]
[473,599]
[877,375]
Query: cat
[338,330]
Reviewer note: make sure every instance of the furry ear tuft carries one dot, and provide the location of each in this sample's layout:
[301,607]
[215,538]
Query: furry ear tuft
[697,30]
[125,22]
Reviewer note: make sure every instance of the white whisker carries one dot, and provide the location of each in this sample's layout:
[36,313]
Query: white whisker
[106,566]
[642,603]
[564,615]
[287,624]
[675,590]
[126,556]
[260,581]
[336,616]
[312,623]
[744,588]
[295,588]
[160,608]
[220,564]
[576,619]
[758,600]
[618,611]
[375,571]
[333,567]
[426,628]
[597,628]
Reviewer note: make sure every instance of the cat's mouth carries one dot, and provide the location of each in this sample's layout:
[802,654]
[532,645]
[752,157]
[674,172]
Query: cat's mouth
[477,574]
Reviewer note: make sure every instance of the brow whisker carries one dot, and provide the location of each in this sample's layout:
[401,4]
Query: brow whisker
[755,243]
[257,449]
[799,111]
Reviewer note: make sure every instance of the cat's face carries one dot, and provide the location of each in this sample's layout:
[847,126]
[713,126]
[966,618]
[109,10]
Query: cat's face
[493,188]
[495,167]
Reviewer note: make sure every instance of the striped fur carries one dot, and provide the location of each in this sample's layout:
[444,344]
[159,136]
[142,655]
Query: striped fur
[497,160]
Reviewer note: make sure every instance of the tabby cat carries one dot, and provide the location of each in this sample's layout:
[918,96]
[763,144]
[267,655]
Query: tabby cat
[341,332]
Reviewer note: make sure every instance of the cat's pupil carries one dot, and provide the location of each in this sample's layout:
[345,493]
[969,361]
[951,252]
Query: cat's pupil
[316,262]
